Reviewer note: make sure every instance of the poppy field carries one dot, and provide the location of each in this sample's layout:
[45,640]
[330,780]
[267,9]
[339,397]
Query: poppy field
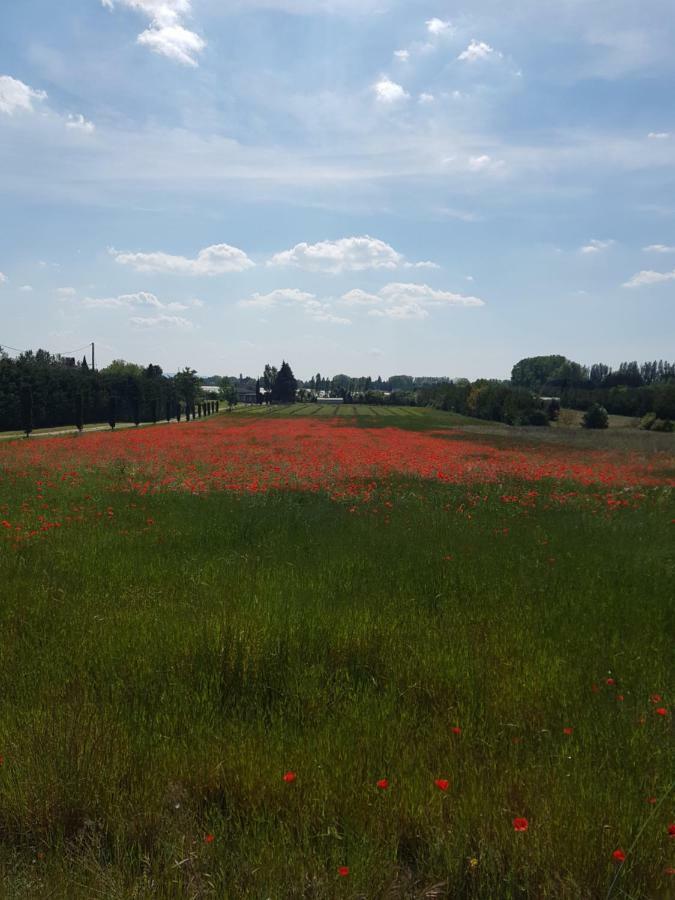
[322,656]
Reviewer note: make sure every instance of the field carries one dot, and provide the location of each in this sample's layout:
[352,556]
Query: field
[336,653]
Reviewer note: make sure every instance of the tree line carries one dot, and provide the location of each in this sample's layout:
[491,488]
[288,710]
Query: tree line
[41,390]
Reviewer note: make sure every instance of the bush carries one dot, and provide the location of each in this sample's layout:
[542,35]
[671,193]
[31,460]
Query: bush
[538,417]
[595,417]
[662,425]
[647,421]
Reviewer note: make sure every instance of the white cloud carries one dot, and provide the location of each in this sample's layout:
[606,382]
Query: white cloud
[79,123]
[425,98]
[478,50]
[66,291]
[215,260]
[596,246]
[278,297]
[399,300]
[388,91]
[3,278]
[162,321]
[659,248]
[26,289]
[166,34]
[357,297]
[353,254]
[659,135]
[402,55]
[648,276]
[484,162]
[437,27]
[17,96]
[319,310]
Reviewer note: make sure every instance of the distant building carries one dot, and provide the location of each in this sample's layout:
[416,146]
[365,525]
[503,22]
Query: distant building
[246,394]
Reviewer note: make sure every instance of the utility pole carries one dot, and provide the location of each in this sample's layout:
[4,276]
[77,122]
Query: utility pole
[92,357]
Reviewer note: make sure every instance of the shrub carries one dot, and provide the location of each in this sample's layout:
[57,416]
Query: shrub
[595,417]
[647,421]
[662,425]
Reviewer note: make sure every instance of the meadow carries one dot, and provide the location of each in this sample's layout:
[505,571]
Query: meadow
[336,653]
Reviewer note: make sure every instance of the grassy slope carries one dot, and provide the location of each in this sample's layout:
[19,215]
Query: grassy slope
[157,683]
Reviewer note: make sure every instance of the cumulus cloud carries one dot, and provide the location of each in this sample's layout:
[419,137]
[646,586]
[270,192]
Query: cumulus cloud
[217,259]
[277,298]
[425,98]
[437,27]
[162,321]
[658,135]
[26,288]
[66,291]
[167,35]
[161,315]
[659,248]
[484,163]
[15,96]
[3,278]
[596,246]
[353,254]
[478,50]
[648,276]
[402,55]
[319,310]
[388,91]
[399,300]
[79,123]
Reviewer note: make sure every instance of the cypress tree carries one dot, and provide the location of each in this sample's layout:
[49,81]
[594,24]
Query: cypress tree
[26,399]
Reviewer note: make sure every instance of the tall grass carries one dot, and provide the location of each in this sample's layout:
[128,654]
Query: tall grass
[157,680]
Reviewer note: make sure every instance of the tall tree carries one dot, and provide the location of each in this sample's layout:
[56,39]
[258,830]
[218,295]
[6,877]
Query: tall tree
[285,386]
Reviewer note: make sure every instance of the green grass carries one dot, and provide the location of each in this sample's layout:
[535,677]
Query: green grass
[158,679]
[415,418]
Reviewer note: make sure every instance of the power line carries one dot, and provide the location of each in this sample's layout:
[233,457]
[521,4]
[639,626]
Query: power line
[59,353]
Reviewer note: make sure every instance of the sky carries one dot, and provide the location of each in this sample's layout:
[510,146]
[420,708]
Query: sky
[373,187]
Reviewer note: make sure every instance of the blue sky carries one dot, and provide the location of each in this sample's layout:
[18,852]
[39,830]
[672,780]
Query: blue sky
[361,186]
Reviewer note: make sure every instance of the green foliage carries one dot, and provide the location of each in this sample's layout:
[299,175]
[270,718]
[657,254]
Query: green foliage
[595,417]
[534,371]
[285,385]
[647,421]
[662,425]
[26,399]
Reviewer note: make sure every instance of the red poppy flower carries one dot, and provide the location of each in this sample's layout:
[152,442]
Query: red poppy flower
[208,838]
[289,777]
[383,784]
[619,855]
[620,698]
[655,698]
[343,871]
[651,800]
[671,830]
[568,730]
[442,784]
[456,730]
[595,688]
[661,711]
[610,681]
[520,824]
[669,871]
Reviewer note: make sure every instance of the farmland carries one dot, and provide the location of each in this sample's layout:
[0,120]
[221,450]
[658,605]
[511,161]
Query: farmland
[336,652]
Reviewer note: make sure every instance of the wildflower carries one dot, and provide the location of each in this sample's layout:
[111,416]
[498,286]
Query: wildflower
[473,862]
[208,838]
[655,698]
[520,824]
[568,730]
[619,855]
[343,871]
[651,800]
[620,698]
[669,871]
[671,830]
[661,711]
[290,777]
[456,730]
[442,784]
[383,784]
[610,682]
[595,688]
